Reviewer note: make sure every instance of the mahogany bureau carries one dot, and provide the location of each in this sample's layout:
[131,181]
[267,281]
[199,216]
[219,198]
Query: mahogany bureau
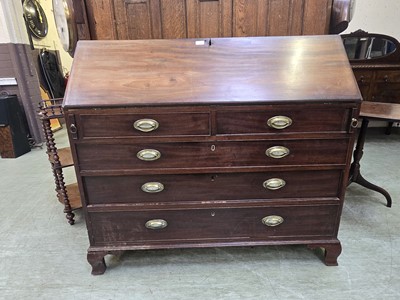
[211,143]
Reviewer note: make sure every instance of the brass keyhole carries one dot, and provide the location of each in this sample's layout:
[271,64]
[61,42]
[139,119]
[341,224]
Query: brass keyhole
[212,147]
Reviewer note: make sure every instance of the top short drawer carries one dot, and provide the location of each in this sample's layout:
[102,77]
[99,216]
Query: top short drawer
[283,119]
[140,124]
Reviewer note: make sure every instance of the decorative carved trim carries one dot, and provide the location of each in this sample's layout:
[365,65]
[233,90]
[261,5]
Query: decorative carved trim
[376,66]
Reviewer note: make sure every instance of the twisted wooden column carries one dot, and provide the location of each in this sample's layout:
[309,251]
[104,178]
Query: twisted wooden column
[56,166]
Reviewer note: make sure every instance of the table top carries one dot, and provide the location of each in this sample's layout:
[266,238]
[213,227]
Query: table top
[204,71]
[379,110]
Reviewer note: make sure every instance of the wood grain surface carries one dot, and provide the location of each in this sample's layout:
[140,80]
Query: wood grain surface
[238,70]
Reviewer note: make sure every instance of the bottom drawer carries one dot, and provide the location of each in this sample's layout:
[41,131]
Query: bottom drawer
[211,225]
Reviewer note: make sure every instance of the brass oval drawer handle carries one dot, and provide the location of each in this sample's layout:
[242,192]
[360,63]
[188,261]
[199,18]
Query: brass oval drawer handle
[148,154]
[279,122]
[146,125]
[274,184]
[277,152]
[272,220]
[152,187]
[156,224]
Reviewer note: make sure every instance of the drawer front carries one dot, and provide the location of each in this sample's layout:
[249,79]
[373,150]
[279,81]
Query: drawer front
[125,125]
[211,187]
[205,225]
[279,119]
[388,76]
[363,77]
[203,155]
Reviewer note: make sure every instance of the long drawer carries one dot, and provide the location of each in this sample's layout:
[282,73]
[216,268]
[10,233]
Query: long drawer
[219,154]
[205,225]
[210,187]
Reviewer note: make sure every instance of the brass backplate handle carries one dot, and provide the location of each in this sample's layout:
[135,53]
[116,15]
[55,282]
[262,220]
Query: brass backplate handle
[274,184]
[146,125]
[272,220]
[279,122]
[148,154]
[156,224]
[277,152]
[152,187]
[354,122]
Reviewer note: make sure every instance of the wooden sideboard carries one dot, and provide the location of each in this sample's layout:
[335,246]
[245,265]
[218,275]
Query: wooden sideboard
[211,143]
[375,59]
[163,19]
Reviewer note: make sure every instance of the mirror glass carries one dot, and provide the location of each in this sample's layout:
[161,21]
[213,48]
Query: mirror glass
[368,47]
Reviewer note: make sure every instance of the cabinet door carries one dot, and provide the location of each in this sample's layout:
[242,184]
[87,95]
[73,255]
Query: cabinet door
[280,17]
[209,18]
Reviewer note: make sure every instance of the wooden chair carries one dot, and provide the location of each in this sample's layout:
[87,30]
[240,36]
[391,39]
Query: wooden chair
[378,111]
[59,158]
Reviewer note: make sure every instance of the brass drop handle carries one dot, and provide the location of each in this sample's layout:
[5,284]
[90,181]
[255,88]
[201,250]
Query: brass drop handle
[73,129]
[152,187]
[146,125]
[279,122]
[362,79]
[354,122]
[272,220]
[274,184]
[148,154]
[156,224]
[277,152]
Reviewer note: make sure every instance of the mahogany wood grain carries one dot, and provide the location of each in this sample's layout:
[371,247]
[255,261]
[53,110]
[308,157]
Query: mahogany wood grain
[317,118]
[212,187]
[200,225]
[119,156]
[187,73]
[383,111]
[212,103]
[121,125]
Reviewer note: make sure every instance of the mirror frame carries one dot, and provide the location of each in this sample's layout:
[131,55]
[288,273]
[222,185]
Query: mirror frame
[389,58]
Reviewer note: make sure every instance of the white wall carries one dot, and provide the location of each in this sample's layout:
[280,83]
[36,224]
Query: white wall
[377,16]
[12,27]
[4,35]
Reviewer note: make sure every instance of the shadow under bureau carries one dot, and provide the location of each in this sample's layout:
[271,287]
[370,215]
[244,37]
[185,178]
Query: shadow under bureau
[211,143]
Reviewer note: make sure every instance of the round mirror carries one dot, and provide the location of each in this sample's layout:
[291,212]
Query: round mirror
[368,47]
